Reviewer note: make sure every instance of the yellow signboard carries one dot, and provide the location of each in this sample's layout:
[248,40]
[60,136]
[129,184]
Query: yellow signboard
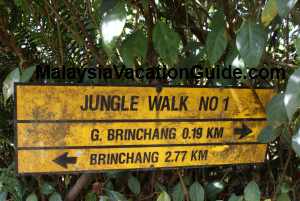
[136,133]
[36,102]
[77,160]
[73,128]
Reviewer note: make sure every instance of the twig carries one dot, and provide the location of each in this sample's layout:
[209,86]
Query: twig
[60,44]
[83,180]
[149,16]
[185,191]
[281,177]
[148,197]
[286,164]
[202,8]
[287,39]
[10,41]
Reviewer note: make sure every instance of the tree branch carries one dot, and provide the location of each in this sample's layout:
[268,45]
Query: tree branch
[83,180]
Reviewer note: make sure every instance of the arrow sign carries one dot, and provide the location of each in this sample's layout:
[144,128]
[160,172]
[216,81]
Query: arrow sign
[243,132]
[88,134]
[121,158]
[175,126]
[63,160]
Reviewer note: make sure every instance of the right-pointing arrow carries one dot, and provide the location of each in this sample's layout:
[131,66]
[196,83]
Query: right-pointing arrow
[63,160]
[242,132]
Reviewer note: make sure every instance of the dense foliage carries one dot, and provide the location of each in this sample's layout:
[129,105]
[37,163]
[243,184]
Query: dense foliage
[139,33]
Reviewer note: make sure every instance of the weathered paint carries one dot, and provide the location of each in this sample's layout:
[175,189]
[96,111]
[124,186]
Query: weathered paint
[109,134]
[38,102]
[41,161]
[52,124]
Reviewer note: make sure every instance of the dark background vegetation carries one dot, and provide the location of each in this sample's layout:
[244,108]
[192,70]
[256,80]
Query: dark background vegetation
[143,33]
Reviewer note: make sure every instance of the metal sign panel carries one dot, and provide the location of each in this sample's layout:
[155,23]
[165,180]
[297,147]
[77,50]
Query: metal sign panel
[136,133]
[95,159]
[82,128]
[48,102]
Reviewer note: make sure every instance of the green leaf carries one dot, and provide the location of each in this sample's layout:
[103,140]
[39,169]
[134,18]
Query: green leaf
[234,197]
[8,83]
[252,192]
[26,74]
[250,42]
[47,189]
[112,26]
[163,196]
[3,196]
[297,46]
[114,174]
[32,197]
[166,42]
[269,134]
[177,193]
[231,55]
[283,197]
[292,94]
[196,192]
[285,187]
[116,196]
[91,196]
[216,42]
[296,142]
[269,12]
[213,189]
[134,46]
[107,5]
[197,53]
[18,3]
[134,185]
[238,63]
[109,185]
[104,198]
[276,112]
[55,197]
[285,6]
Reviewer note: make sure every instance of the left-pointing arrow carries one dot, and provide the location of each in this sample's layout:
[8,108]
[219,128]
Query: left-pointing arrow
[63,160]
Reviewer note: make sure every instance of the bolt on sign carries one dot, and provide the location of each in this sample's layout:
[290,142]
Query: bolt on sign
[65,128]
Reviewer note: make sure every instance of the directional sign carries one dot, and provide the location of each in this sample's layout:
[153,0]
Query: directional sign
[78,160]
[136,133]
[122,102]
[82,128]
